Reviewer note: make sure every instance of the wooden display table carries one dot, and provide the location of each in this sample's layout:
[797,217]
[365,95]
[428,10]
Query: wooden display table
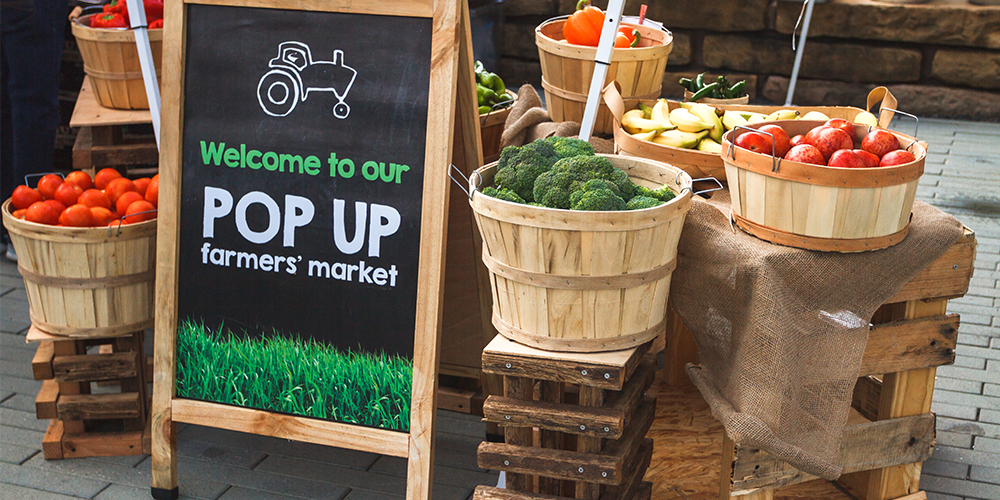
[890,431]
[92,425]
[102,141]
[579,434]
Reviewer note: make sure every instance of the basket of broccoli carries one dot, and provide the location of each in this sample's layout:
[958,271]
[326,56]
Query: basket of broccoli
[580,246]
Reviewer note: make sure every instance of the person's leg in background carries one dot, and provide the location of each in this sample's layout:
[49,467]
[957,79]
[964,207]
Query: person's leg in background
[31,48]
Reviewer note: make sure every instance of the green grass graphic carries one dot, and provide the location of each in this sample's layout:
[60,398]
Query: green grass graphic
[292,375]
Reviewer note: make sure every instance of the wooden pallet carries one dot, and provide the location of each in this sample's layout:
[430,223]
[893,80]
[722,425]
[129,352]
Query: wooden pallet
[891,430]
[102,140]
[574,423]
[85,424]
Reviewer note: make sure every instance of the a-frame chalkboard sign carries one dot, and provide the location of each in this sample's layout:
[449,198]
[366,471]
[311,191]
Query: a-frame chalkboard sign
[302,221]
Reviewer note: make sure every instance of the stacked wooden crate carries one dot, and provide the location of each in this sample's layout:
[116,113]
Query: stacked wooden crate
[890,431]
[574,423]
[84,423]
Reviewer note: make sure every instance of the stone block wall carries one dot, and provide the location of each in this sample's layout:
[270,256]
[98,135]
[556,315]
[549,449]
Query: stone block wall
[940,58]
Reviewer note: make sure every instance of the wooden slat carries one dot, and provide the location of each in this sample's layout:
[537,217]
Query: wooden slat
[864,447]
[70,348]
[920,495]
[635,469]
[491,493]
[457,400]
[605,370]
[94,367]
[867,393]
[102,444]
[910,344]
[552,393]
[946,277]
[517,388]
[52,442]
[591,396]
[98,406]
[45,401]
[41,363]
[604,422]
[134,344]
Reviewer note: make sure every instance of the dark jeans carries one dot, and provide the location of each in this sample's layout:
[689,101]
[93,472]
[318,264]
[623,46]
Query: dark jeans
[31,49]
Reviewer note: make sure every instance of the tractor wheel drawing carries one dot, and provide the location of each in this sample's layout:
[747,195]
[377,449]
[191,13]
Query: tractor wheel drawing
[278,92]
[341,110]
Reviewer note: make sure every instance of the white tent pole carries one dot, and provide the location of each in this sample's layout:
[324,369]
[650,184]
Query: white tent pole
[799,51]
[612,19]
[137,20]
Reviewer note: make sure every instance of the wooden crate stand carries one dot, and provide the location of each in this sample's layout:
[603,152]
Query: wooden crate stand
[101,141]
[84,424]
[574,423]
[890,431]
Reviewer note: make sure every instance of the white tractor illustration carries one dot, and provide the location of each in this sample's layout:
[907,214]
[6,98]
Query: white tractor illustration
[294,75]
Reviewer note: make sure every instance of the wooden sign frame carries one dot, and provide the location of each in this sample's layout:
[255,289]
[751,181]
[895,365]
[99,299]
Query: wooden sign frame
[450,75]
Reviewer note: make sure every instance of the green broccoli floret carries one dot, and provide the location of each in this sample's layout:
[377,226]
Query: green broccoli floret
[597,199]
[518,167]
[591,185]
[626,188]
[641,202]
[503,194]
[568,147]
[663,193]
[554,187]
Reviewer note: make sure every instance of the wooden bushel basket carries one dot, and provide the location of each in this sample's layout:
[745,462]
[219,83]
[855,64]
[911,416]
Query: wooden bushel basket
[111,61]
[85,282]
[818,207]
[567,70]
[579,281]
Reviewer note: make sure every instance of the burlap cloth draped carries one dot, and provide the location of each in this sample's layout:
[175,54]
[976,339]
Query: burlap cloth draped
[781,331]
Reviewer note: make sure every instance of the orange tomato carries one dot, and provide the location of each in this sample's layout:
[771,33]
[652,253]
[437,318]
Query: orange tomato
[102,216]
[80,178]
[102,178]
[48,184]
[137,207]
[24,197]
[141,184]
[78,215]
[153,191]
[19,214]
[42,213]
[125,200]
[118,187]
[68,193]
[56,204]
[94,198]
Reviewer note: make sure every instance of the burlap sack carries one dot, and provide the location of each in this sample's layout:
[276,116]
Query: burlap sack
[781,331]
[528,121]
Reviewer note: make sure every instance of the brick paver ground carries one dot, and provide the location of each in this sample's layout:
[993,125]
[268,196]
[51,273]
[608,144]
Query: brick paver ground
[962,177]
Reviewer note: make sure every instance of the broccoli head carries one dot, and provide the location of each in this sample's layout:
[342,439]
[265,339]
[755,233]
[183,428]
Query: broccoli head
[567,147]
[641,202]
[518,167]
[554,187]
[503,194]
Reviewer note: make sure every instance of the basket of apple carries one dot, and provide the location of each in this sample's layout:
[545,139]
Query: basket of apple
[830,186]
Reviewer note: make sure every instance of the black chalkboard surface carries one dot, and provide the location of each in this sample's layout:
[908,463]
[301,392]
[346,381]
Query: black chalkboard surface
[302,171]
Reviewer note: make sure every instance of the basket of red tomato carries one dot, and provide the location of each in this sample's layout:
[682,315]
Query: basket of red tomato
[567,48]
[110,57]
[86,249]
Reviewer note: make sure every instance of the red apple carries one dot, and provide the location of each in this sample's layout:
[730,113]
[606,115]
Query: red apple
[845,158]
[810,136]
[879,142]
[844,125]
[796,140]
[755,141]
[830,139]
[870,160]
[805,153]
[781,141]
[897,157]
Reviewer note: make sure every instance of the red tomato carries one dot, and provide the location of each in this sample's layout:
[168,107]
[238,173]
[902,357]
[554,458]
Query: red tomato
[68,193]
[24,196]
[153,191]
[80,178]
[141,184]
[56,204]
[118,187]
[78,215]
[19,214]
[125,200]
[42,213]
[102,216]
[138,207]
[48,184]
[94,198]
[105,176]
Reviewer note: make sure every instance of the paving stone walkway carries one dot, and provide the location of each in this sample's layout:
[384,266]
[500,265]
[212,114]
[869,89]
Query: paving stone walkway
[962,177]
